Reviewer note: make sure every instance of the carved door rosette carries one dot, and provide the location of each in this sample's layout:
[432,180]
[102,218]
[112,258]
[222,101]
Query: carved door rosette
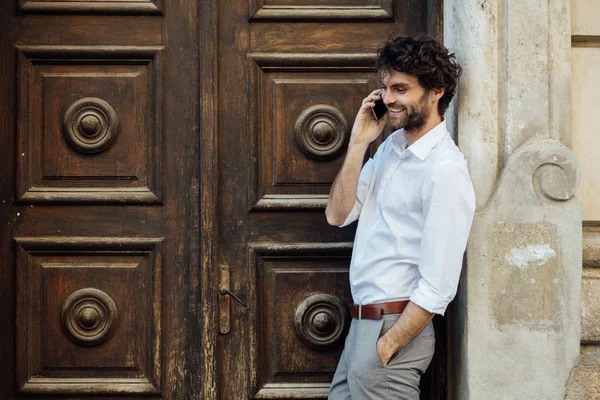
[89,316]
[321,321]
[90,125]
[321,132]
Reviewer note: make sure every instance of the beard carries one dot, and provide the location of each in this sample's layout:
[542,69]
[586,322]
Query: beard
[414,116]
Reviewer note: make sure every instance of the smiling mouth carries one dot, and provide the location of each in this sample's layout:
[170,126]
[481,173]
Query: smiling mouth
[397,110]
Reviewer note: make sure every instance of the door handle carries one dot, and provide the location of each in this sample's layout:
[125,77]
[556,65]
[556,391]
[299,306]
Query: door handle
[225,296]
[225,291]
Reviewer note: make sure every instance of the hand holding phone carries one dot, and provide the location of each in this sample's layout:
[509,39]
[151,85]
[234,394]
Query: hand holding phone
[380,108]
[368,125]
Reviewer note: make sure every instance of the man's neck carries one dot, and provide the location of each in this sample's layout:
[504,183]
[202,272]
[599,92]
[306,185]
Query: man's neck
[415,134]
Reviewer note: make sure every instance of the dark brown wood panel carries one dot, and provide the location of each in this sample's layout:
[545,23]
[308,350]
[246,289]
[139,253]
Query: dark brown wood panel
[75,6]
[333,37]
[181,162]
[7,193]
[303,104]
[208,281]
[117,92]
[299,327]
[89,30]
[89,310]
[110,221]
[280,10]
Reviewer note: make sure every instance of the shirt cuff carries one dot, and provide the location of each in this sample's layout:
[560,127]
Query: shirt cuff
[428,299]
[353,216]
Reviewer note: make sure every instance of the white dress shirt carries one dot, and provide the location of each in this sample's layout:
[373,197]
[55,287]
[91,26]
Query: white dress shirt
[415,207]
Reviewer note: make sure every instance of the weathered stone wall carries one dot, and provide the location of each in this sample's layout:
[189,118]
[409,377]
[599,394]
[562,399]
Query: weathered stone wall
[518,329]
[585,380]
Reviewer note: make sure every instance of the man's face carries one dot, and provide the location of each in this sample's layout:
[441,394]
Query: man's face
[408,102]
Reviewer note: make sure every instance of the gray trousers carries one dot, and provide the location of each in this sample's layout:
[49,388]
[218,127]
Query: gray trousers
[360,375]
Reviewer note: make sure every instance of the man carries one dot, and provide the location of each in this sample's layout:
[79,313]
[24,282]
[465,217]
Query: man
[414,202]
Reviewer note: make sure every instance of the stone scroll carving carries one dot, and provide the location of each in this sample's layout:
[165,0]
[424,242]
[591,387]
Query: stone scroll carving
[549,166]
[321,321]
[321,131]
[558,179]
[89,316]
[90,125]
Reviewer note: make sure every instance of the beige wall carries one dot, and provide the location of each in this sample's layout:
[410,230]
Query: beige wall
[586,127]
[585,17]
[585,58]
[585,78]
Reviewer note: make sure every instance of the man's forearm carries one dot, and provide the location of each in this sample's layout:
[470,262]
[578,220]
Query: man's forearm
[343,191]
[412,321]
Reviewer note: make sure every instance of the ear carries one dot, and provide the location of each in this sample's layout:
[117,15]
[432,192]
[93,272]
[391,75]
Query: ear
[437,93]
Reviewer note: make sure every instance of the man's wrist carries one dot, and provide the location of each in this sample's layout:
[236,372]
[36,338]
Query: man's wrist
[389,344]
[358,148]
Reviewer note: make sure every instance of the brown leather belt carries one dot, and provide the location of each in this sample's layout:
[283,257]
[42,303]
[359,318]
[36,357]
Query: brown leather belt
[375,311]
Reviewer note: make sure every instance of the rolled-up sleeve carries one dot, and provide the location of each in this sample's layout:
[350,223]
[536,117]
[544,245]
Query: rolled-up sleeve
[448,203]
[366,174]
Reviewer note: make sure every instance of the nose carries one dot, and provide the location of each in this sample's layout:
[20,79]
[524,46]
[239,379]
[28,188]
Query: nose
[387,97]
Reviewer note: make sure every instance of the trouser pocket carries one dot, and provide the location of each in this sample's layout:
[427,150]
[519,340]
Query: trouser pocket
[388,320]
[418,353]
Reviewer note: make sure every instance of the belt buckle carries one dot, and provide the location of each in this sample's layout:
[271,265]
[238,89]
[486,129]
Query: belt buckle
[360,311]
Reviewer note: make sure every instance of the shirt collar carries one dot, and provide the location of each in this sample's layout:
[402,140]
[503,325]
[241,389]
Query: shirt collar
[423,145]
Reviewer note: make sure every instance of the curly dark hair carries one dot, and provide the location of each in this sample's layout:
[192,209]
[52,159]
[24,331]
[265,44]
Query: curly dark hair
[427,59]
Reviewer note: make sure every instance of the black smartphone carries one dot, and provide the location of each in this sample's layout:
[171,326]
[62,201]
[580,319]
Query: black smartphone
[380,108]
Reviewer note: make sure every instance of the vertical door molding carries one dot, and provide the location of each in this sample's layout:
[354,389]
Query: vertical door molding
[207,210]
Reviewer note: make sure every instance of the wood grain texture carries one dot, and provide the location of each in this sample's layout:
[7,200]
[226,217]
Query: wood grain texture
[128,272]
[183,362]
[59,30]
[54,78]
[283,275]
[206,153]
[585,40]
[435,19]
[8,212]
[233,349]
[319,10]
[119,6]
[209,181]
[273,68]
[101,50]
[314,61]
[287,178]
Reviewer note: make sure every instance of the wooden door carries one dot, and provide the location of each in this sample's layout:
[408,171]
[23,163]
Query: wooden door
[100,182]
[150,147]
[291,77]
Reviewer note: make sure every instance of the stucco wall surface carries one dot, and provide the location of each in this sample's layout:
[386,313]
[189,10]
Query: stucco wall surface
[585,55]
[518,329]
[523,278]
